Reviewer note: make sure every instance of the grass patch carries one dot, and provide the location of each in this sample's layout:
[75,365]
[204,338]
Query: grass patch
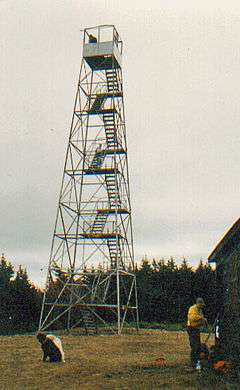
[163,326]
[169,326]
[106,362]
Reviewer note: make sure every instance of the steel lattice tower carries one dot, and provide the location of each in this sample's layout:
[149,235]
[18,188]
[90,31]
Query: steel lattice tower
[91,278]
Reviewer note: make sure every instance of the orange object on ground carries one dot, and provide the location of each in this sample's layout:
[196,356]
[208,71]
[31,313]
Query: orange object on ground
[160,361]
[222,366]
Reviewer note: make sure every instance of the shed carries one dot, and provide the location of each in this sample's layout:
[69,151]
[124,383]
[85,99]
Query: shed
[226,255]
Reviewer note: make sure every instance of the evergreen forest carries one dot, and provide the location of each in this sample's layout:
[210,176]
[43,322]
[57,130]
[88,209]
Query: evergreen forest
[165,292]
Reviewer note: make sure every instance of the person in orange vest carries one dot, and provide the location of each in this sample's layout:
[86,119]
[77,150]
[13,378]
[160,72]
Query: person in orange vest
[195,321]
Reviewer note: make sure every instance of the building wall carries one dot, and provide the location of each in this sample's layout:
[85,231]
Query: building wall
[229,293]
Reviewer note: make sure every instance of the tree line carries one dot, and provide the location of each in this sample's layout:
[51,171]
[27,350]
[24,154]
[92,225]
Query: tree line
[20,300]
[165,292]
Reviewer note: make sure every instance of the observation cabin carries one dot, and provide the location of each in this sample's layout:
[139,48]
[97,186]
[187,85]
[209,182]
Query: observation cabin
[102,47]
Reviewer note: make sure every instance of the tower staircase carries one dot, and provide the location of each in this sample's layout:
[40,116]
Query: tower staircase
[99,222]
[114,252]
[98,103]
[112,190]
[113,90]
[98,159]
[113,85]
[89,322]
[110,130]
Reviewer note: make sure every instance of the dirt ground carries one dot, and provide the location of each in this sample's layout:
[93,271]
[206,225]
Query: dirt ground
[106,362]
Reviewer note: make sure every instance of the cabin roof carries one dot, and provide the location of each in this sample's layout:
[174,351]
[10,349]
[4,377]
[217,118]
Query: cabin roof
[229,241]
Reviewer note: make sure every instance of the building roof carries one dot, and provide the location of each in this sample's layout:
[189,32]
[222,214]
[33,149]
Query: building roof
[227,244]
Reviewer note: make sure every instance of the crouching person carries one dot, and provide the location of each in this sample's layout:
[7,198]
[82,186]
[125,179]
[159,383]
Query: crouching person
[52,347]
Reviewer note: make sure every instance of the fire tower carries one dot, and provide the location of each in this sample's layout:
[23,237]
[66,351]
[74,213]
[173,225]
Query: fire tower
[91,282]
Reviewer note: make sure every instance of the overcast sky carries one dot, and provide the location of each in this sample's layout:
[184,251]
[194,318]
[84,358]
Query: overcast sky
[181,65]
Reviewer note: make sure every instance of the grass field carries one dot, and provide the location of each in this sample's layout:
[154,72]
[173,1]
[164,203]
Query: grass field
[106,362]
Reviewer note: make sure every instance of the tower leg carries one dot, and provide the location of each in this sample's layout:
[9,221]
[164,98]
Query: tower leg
[118,303]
